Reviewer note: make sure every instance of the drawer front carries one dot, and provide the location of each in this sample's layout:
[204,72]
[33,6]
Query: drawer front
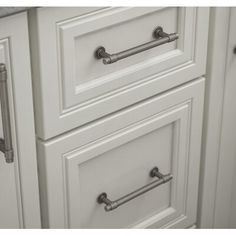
[81,88]
[115,155]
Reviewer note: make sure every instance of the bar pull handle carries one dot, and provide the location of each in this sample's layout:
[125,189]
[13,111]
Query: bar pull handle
[160,38]
[111,205]
[6,143]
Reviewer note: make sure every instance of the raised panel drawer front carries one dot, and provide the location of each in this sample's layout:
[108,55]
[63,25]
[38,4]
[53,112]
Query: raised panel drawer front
[115,155]
[72,86]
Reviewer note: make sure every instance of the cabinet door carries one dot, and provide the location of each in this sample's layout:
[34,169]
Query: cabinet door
[19,197]
[115,155]
[9,195]
[225,204]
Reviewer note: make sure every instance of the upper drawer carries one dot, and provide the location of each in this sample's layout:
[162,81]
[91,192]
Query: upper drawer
[80,87]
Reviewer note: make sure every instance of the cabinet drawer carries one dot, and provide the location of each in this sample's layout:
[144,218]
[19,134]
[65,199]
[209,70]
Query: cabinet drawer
[115,155]
[73,87]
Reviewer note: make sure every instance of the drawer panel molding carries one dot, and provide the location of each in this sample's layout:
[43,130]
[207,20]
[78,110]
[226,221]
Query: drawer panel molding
[114,155]
[80,88]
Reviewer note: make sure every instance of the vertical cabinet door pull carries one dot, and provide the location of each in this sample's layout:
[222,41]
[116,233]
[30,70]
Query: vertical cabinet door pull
[6,142]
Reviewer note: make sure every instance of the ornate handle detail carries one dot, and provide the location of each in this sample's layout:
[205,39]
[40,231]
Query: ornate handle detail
[6,143]
[159,34]
[111,205]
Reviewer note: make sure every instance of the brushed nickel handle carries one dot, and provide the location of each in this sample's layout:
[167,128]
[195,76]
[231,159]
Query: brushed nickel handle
[111,205]
[6,143]
[159,34]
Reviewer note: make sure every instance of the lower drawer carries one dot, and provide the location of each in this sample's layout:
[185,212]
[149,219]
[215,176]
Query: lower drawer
[115,155]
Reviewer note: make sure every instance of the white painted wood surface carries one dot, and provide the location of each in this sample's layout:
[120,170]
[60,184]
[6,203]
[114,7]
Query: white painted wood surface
[66,97]
[72,88]
[225,195]
[217,208]
[214,94]
[19,196]
[115,155]
[232,222]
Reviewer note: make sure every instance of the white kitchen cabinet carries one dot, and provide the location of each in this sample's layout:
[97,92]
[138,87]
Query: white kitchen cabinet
[115,155]
[214,96]
[217,184]
[19,196]
[102,127]
[72,87]
[225,206]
